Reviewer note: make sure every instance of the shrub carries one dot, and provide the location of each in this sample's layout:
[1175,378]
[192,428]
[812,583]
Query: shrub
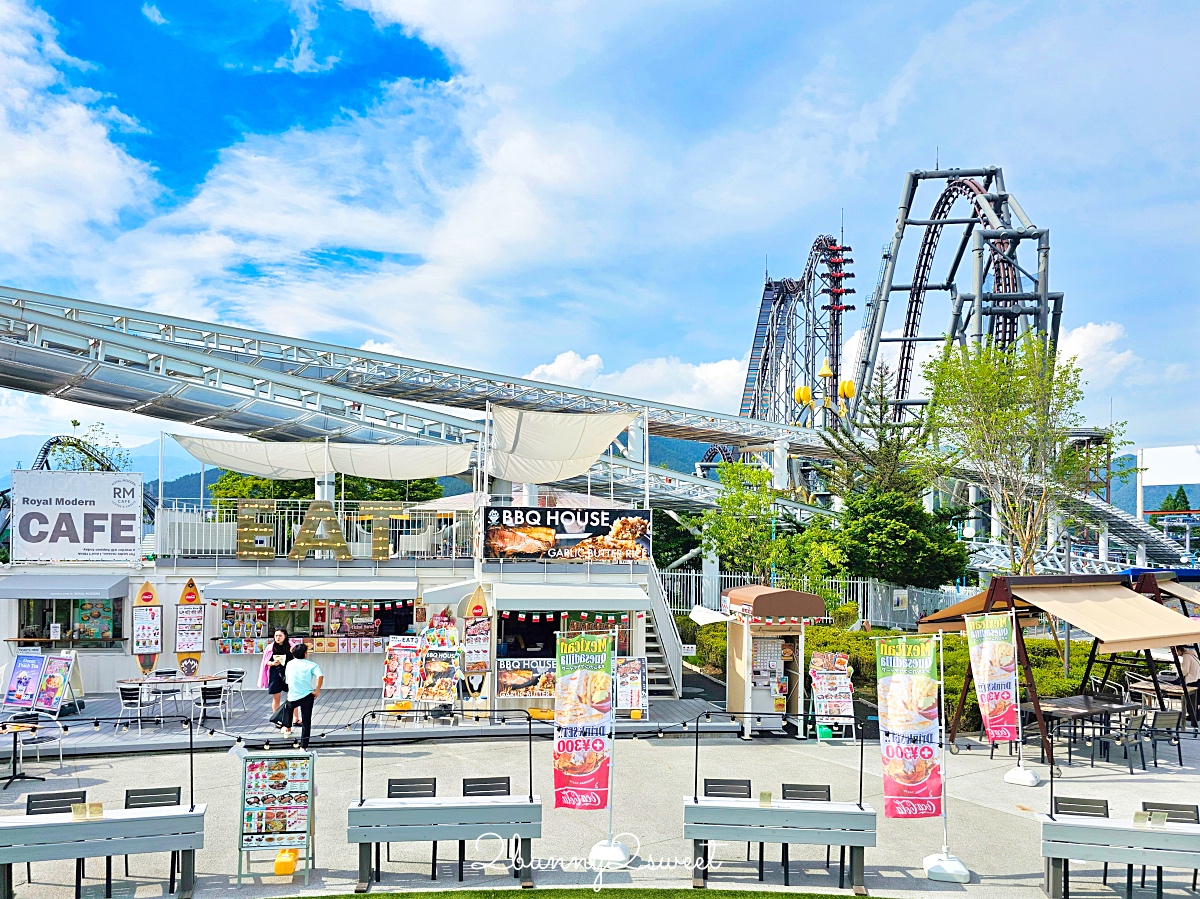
[845,615]
[710,646]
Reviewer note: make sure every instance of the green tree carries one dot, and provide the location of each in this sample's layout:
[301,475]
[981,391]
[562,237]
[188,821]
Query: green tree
[890,536]
[71,455]
[1172,502]
[232,485]
[675,538]
[879,453]
[741,530]
[1008,412]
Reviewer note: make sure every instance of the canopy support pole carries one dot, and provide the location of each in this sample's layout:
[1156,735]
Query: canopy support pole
[1162,703]
[1087,670]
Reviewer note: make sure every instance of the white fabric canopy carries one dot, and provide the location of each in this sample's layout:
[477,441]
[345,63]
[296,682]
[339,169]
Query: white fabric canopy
[399,463]
[541,447]
[292,461]
[1170,465]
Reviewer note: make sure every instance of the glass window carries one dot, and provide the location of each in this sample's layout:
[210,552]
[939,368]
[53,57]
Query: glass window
[78,623]
[294,621]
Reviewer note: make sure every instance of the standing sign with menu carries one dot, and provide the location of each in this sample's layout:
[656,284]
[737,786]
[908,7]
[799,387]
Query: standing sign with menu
[277,804]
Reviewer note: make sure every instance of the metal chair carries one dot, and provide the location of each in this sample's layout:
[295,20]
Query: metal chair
[1176,814]
[1164,726]
[234,678]
[168,691]
[211,699]
[153,797]
[732,788]
[48,731]
[55,804]
[808,793]
[484,786]
[132,700]
[409,788]
[1127,736]
[1083,808]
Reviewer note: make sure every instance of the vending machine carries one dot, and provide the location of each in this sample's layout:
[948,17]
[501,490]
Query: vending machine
[765,655]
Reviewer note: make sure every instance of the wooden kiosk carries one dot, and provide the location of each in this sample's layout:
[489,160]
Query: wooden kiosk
[764,664]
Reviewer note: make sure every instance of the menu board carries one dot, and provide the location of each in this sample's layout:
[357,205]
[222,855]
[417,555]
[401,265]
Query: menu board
[477,646]
[832,690]
[277,792]
[525,678]
[24,681]
[147,630]
[189,628]
[401,669]
[93,619]
[633,690]
[439,676]
[53,685]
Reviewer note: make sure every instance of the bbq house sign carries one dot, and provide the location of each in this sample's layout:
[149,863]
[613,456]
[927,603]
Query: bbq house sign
[76,516]
[566,535]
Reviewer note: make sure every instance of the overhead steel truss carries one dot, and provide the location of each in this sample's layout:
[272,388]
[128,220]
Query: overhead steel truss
[375,388]
[998,303]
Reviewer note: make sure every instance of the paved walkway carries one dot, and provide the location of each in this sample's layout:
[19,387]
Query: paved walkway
[992,826]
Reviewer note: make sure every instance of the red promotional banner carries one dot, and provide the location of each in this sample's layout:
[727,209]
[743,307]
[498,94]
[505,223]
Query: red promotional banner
[910,726]
[993,647]
[583,721]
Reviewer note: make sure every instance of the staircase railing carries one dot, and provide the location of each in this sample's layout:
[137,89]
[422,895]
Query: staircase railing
[665,627]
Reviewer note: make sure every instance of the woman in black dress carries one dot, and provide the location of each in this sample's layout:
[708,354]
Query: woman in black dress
[279,654]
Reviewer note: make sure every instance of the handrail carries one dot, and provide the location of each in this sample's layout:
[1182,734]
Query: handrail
[665,627]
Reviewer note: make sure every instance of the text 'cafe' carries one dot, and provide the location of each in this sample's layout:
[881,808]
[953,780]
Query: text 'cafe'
[203,590]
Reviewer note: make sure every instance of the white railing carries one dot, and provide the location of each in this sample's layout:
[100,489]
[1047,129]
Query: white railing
[186,530]
[686,589]
[877,602]
[666,628]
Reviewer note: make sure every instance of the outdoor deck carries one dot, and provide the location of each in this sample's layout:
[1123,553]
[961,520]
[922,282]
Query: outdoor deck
[336,720]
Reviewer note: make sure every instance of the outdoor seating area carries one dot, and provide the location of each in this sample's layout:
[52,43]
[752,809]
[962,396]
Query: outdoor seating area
[413,812]
[52,828]
[197,697]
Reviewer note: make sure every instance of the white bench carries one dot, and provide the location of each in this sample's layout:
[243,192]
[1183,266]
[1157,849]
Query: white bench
[1067,838]
[443,818]
[39,838]
[784,822]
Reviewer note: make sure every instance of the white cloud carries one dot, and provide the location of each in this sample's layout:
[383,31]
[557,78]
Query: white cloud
[64,182]
[706,385]
[151,12]
[1093,346]
[301,57]
[569,368]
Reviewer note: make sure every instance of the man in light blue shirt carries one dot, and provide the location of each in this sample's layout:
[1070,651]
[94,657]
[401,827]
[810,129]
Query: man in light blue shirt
[304,682]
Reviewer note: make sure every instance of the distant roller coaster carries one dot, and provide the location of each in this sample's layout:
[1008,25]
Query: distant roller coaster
[794,374]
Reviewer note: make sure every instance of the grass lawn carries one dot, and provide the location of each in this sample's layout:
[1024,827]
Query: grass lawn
[579,893]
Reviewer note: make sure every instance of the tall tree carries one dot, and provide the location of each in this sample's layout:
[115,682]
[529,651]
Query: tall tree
[1008,412]
[880,454]
[890,536]
[742,528]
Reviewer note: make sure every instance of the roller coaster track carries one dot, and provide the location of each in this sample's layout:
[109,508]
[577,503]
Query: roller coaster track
[799,329]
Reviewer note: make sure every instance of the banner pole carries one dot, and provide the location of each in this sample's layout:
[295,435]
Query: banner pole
[943,866]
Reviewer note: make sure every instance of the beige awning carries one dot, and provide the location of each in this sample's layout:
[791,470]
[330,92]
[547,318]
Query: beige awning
[569,597]
[540,447]
[1119,618]
[951,617]
[1180,591]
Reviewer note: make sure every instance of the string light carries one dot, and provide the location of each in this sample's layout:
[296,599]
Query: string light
[95,725]
[211,732]
[266,747]
[238,741]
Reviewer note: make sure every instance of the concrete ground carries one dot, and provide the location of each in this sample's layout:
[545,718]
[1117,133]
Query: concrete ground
[992,826]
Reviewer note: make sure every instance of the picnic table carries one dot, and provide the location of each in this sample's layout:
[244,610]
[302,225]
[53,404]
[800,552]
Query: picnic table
[784,821]
[176,828]
[430,819]
[1116,841]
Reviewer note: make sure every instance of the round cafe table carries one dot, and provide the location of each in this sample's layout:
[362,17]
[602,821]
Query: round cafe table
[16,730]
[152,681]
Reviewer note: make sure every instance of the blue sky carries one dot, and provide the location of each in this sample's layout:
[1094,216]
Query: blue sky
[587,191]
